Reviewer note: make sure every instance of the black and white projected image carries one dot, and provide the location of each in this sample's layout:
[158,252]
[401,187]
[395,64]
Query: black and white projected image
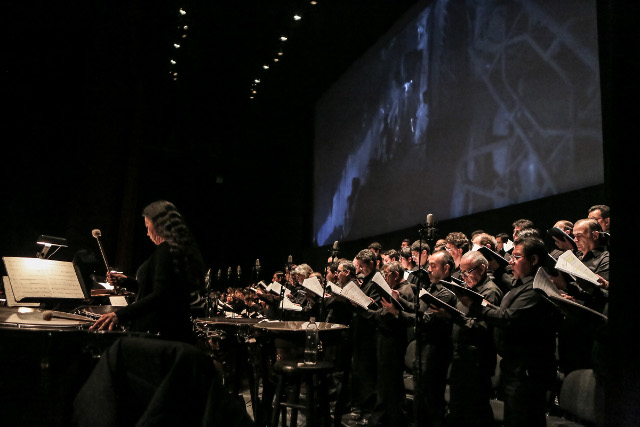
[464,107]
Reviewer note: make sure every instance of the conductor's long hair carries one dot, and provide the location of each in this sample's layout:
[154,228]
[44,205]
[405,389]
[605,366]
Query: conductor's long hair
[171,226]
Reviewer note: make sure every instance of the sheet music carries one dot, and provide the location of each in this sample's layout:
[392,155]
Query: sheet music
[287,304]
[11,300]
[334,288]
[118,301]
[569,263]
[379,280]
[313,284]
[276,288]
[353,293]
[507,246]
[42,278]
[543,281]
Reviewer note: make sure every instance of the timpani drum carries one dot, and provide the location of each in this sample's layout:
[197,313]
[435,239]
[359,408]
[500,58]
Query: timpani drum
[286,340]
[45,362]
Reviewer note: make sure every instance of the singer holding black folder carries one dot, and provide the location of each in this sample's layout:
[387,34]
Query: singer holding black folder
[525,327]
[474,352]
[165,281]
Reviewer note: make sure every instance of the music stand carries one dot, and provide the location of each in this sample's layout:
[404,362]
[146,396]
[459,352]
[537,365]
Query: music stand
[36,279]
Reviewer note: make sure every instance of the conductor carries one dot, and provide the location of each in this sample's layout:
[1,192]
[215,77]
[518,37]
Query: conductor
[165,280]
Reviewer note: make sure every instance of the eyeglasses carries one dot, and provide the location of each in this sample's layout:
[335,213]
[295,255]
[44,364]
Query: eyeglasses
[468,272]
[515,258]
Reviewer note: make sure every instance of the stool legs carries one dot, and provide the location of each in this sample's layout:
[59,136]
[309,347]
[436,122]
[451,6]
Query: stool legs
[316,403]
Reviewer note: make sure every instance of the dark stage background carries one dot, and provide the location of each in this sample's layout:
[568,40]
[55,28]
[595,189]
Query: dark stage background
[94,127]
[97,127]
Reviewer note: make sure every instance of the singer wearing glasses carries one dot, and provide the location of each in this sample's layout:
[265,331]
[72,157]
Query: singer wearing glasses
[165,281]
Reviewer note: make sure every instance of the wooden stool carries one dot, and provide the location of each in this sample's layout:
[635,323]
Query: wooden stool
[291,376]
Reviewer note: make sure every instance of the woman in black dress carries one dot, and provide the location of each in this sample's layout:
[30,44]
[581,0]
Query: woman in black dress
[165,281]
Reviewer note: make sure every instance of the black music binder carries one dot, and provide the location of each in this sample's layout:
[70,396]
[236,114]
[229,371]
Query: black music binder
[573,309]
[559,234]
[461,290]
[432,300]
[489,254]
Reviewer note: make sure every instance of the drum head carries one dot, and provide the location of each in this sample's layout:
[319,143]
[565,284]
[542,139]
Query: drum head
[25,317]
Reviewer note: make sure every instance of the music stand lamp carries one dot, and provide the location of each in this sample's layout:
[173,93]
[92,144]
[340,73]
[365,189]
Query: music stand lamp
[47,242]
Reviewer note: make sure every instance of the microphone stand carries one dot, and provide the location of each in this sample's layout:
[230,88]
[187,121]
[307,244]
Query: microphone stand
[287,269]
[334,254]
[425,232]
[219,283]
[207,288]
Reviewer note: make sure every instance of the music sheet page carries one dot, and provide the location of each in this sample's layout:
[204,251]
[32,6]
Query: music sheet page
[352,292]
[569,263]
[313,284]
[42,278]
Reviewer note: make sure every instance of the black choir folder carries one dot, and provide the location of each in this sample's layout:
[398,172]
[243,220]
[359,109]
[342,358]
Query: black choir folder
[36,279]
[464,290]
[568,307]
[560,234]
[432,300]
[489,254]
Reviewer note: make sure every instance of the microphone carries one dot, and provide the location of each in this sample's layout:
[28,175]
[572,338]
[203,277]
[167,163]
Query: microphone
[219,277]
[334,251]
[430,227]
[239,272]
[257,269]
[97,233]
